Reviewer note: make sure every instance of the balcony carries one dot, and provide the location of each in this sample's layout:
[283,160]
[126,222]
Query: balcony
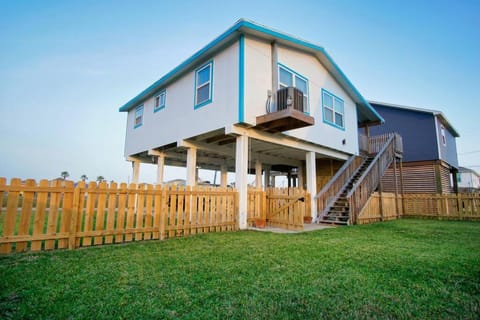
[290,113]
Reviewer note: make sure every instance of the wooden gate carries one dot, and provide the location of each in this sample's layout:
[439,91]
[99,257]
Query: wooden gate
[280,207]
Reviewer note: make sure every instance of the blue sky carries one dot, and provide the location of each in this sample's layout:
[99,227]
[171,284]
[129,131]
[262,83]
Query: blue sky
[66,67]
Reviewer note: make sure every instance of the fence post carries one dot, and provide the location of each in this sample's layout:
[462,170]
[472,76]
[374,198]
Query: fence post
[75,213]
[163,212]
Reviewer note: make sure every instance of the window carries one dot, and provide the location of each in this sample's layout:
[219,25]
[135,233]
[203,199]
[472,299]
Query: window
[333,109]
[203,85]
[159,101]
[138,116]
[442,133]
[289,78]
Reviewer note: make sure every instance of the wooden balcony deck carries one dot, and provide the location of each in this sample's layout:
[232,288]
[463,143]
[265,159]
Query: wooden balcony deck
[284,120]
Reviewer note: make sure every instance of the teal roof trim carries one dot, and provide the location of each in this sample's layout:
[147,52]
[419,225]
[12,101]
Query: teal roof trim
[246,26]
[179,69]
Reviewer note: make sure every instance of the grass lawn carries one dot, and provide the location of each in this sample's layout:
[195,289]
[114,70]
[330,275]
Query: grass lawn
[399,269]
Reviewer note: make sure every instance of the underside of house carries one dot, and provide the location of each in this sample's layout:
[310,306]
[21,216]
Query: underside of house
[339,184]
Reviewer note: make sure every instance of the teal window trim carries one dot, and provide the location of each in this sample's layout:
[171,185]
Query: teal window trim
[138,121]
[159,100]
[241,79]
[334,98]
[296,75]
[209,82]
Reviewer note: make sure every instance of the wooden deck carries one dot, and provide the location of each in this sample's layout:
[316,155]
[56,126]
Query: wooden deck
[283,120]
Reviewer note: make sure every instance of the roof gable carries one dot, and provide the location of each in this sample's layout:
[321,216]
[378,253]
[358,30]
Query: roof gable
[435,113]
[365,112]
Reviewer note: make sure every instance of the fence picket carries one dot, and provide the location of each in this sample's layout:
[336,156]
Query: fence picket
[122,207]
[52,215]
[132,189]
[194,214]
[148,212]
[76,217]
[163,213]
[10,215]
[25,218]
[171,213]
[39,220]
[157,209]
[111,215]
[67,202]
[89,213]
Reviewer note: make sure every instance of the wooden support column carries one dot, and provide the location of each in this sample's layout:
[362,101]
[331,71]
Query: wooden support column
[380,192]
[301,184]
[160,164]
[267,178]
[241,179]
[258,174]
[191,167]
[135,169]
[312,182]
[160,168]
[223,176]
[402,191]
[396,185]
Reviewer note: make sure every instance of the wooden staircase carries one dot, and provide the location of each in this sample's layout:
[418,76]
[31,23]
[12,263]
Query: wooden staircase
[339,212]
[343,197]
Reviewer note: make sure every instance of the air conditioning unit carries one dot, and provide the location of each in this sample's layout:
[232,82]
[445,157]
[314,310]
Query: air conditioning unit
[289,97]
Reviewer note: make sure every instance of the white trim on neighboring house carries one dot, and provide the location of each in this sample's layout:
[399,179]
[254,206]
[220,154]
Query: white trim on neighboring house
[437,140]
[443,135]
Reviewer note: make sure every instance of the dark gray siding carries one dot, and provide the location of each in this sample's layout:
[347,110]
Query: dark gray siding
[448,152]
[416,128]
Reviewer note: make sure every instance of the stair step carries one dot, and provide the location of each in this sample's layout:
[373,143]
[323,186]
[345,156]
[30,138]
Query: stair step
[334,222]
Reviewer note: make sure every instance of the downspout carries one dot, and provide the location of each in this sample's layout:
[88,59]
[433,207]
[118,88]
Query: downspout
[273,105]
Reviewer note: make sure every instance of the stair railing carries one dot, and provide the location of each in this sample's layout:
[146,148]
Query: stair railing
[329,192]
[370,179]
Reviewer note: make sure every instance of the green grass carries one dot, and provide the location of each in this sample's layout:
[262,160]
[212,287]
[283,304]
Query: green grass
[400,269]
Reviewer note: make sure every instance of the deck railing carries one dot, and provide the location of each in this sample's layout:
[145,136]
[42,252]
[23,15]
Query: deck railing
[372,145]
[370,179]
[330,191]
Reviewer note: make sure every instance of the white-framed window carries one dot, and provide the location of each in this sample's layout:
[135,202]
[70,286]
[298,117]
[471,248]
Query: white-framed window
[333,110]
[289,78]
[203,84]
[138,116]
[443,136]
[159,100]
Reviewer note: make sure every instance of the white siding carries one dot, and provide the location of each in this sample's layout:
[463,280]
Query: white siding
[258,82]
[258,78]
[179,120]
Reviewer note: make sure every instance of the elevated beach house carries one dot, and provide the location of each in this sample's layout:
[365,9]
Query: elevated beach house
[257,100]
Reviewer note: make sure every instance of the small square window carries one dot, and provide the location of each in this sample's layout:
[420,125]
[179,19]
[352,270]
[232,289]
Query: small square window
[138,116]
[159,101]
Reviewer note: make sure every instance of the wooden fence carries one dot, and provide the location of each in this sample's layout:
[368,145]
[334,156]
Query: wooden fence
[434,206]
[380,208]
[57,214]
[279,207]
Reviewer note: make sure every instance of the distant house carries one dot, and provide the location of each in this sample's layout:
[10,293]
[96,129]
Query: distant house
[430,162]
[468,180]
